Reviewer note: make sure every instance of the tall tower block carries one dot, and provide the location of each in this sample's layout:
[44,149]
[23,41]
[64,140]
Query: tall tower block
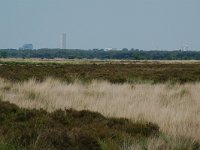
[63,41]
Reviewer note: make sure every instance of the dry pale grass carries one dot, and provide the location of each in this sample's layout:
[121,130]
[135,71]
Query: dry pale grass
[97,61]
[175,108]
[160,144]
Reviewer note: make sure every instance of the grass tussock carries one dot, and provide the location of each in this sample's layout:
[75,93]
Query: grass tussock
[174,107]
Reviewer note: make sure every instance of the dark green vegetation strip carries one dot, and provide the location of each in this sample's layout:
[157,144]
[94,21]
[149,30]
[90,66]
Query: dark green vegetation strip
[133,54]
[116,73]
[69,129]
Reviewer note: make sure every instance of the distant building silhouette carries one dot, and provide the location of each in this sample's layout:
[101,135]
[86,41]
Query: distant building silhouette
[63,41]
[110,49]
[27,47]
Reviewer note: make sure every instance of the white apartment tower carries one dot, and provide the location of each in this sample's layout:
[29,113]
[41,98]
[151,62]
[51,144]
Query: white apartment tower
[63,41]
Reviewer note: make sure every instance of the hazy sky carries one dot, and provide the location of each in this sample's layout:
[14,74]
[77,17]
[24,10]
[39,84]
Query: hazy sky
[143,24]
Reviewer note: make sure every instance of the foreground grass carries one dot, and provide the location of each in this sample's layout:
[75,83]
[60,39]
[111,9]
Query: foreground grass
[79,130]
[175,108]
[115,72]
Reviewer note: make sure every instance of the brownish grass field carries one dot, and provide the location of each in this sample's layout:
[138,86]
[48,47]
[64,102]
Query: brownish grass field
[112,71]
[164,93]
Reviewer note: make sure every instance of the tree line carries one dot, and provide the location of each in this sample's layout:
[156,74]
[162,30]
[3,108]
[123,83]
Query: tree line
[133,54]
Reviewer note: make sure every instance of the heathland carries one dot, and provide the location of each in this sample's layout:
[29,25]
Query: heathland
[112,71]
[99,105]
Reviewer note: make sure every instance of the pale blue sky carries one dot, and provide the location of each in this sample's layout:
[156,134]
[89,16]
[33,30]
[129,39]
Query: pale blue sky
[143,24]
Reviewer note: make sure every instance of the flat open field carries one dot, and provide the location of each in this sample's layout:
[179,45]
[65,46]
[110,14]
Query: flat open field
[159,99]
[112,71]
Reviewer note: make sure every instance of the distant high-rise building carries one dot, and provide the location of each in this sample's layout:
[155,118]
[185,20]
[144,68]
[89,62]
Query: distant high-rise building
[27,47]
[63,41]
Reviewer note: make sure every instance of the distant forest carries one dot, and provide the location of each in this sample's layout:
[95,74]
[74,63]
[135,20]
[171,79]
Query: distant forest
[133,54]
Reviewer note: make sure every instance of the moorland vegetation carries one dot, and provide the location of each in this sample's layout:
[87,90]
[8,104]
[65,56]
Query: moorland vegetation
[99,105]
